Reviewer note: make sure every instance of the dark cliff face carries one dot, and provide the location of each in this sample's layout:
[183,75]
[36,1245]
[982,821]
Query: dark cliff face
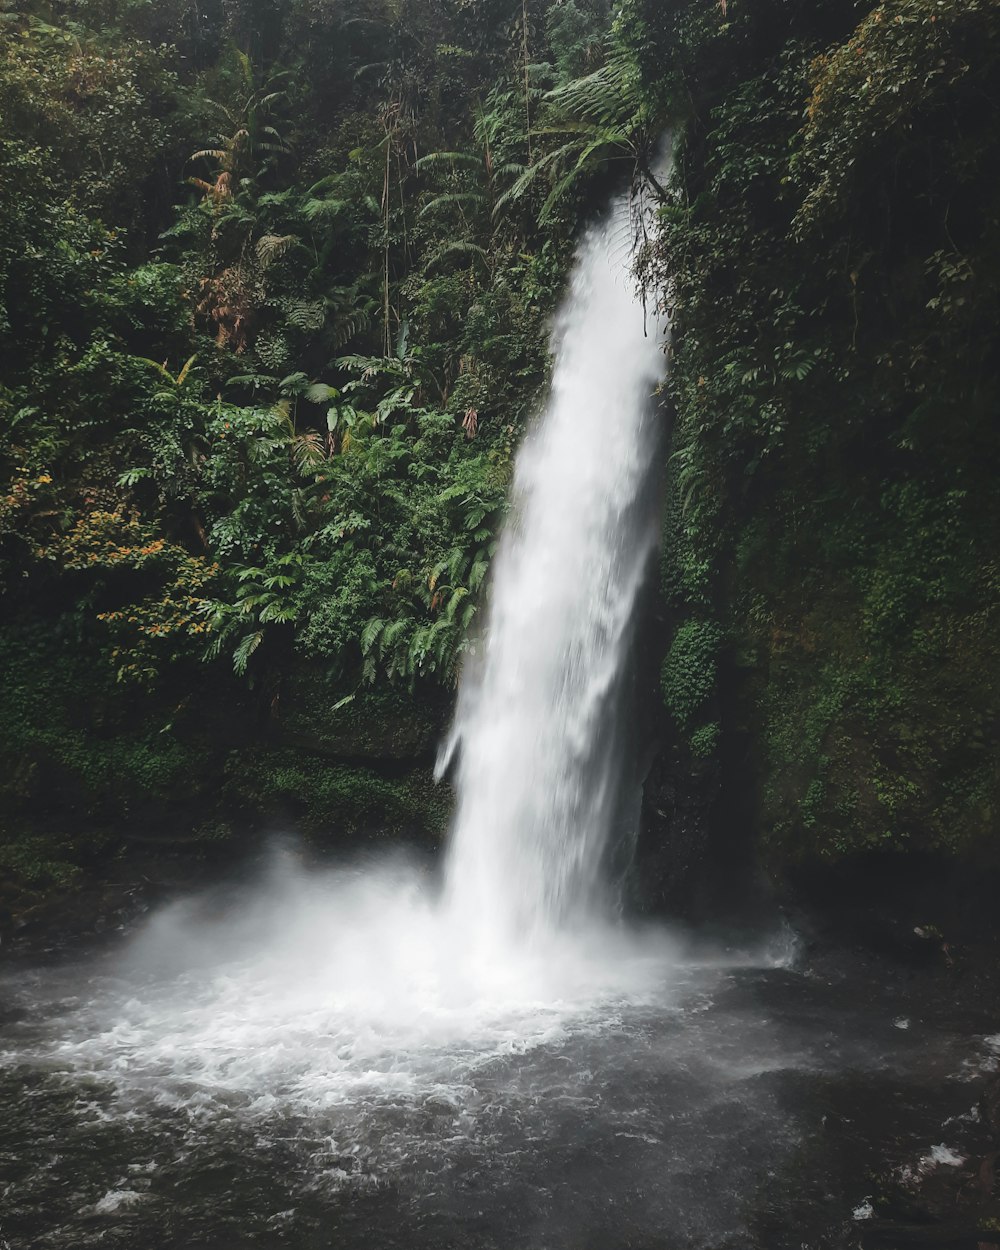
[108,800]
[675,871]
[828,571]
[697,854]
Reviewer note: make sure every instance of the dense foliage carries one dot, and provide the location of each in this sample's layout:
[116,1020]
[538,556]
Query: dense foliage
[275,278]
[274,308]
[832,250]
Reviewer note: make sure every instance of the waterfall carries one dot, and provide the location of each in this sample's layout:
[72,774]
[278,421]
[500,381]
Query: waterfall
[350,1047]
[539,725]
[364,989]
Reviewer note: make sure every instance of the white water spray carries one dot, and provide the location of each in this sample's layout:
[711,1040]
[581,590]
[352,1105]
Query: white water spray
[538,726]
[349,990]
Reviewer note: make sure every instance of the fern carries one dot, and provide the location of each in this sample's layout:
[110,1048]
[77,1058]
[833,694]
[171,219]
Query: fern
[460,247]
[608,97]
[370,634]
[276,612]
[323,210]
[305,315]
[242,654]
[392,633]
[455,160]
[477,574]
[351,326]
[453,199]
[454,603]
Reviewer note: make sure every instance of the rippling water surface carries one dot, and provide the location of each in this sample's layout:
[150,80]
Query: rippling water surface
[315,1061]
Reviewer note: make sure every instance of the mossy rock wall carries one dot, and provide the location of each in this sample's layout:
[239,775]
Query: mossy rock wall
[199,765]
[829,572]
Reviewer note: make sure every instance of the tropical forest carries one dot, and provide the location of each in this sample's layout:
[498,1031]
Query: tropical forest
[499,624]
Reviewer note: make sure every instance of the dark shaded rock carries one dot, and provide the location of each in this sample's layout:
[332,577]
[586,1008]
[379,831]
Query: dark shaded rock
[374,725]
[989,1106]
[674,866]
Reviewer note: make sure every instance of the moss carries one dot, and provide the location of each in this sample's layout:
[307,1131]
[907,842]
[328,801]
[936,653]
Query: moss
[688,675]
[376,722]
[705,740]
[330,800]
[64,721]
[38,863]
[867,750]
[833,450]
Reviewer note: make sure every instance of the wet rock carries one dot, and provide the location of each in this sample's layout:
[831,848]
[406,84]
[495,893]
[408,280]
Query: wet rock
[885,1235]
[989,1105]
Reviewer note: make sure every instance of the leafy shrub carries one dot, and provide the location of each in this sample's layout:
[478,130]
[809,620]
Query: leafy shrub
[688,675]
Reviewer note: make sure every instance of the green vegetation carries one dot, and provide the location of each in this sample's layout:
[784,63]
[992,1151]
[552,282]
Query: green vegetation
[273,308]
[831,247]
[275,281]
[688,676]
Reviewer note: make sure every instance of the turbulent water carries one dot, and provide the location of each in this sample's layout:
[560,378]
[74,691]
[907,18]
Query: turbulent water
[312,1061]
[370,1058]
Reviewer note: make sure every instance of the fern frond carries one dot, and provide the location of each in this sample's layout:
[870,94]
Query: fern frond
[308,451]
[242,654]
[461,247]
[607,96]
[186,369]
[457,160]
[370,633]
[392,633]
[271,247]
[455,602]
[477,574]
[308,315]
[323,210]
[453,199]
[530,173]
[155,364]
[350,327]
[222,110]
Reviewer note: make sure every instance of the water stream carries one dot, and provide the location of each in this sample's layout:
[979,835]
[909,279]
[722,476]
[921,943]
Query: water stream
[539,722]
[367,1056]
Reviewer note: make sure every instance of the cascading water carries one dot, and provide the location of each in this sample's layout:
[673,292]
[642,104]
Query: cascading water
[538,729]
[330,987]
[350,1057]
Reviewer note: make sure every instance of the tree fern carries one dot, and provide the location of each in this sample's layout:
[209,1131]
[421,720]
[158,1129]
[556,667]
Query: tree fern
[604,115]
[460,247]
[370,633]
[242,654]
[453,199]
[455,602]
[609,97]
[392,633]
